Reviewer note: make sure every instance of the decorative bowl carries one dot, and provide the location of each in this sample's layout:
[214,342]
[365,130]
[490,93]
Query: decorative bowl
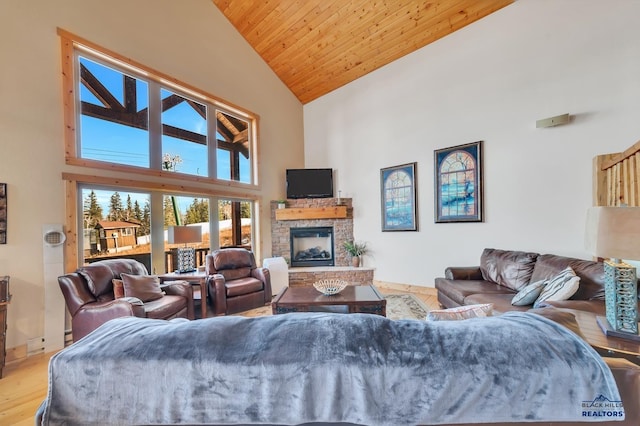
[330,287]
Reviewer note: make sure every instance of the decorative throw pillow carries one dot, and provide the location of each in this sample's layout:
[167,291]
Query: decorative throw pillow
[509,268]
[529,294]
[461,312]
[561,287]
[144,287]
[118,288]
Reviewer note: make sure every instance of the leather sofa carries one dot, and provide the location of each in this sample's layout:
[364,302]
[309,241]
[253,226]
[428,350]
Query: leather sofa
[239,355]
[90,299]
[472,285]
[626,374]
[235,283]
[502,273]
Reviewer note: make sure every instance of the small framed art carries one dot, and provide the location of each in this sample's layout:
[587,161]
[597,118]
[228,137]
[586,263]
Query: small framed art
[398,198]
[458,183]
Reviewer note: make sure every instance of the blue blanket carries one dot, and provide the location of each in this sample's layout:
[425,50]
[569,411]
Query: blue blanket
[318,367]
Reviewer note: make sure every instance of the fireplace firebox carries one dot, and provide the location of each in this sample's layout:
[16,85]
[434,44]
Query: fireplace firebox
[312,246]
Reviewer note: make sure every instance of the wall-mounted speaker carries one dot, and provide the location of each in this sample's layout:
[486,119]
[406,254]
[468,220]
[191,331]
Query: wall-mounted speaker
[553,121]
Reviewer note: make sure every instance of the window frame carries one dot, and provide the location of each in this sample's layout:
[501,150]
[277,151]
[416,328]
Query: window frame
[137,178]
[75,183]
[73,45]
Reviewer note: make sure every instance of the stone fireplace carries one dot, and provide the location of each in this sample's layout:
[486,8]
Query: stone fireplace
[332,213]
[342,226]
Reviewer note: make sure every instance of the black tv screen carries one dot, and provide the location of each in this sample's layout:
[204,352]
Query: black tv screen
[309,183]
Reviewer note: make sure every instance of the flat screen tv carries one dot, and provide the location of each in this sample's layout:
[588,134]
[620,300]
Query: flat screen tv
[309,183]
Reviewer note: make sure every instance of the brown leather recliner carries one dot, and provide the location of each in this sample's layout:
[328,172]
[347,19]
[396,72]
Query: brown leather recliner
[89,295]
[234,281]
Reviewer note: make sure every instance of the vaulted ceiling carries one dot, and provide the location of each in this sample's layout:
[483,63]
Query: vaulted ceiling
[316,46]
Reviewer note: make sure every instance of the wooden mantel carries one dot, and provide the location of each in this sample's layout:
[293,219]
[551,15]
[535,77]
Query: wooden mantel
[305,213]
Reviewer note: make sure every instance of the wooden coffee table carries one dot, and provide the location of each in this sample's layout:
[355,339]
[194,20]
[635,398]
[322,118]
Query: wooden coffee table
[603,344]
[353,299]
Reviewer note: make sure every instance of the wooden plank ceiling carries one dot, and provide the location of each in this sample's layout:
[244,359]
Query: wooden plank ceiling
[316,46]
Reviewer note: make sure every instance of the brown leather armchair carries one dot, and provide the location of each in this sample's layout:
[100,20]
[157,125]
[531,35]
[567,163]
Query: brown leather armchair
[89,295]
[235,283]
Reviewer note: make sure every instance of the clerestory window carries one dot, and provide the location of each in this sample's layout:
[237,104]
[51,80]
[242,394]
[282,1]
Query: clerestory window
[129,117]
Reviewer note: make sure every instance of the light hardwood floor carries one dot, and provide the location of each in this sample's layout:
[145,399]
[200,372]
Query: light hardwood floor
[24,385]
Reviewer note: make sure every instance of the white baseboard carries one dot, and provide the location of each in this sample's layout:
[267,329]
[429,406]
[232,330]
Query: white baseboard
[418,289]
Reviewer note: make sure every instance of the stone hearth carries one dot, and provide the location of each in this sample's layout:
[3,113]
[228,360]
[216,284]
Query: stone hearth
[308,276]
[342,227]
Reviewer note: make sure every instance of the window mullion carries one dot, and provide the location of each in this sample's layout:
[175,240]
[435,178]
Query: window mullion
[212,141]
[155,125]
[157,233]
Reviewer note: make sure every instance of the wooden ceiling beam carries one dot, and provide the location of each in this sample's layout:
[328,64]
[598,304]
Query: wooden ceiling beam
[98,90]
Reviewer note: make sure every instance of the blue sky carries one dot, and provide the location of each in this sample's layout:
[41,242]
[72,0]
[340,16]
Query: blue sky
[107,141]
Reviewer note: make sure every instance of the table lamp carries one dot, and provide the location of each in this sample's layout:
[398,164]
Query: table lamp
[186,256]
[614,233]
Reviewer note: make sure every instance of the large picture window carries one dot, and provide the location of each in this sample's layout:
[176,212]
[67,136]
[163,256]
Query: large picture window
[116,222]
[148,130]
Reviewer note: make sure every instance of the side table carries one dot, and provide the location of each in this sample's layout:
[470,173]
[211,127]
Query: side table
[603,344]
[3,335]
[193,278]
[5,299]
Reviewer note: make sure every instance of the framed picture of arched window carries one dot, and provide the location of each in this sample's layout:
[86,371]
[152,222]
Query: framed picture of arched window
[458,183]
[398,198]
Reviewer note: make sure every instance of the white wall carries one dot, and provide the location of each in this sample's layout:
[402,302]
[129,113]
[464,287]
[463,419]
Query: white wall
[191,41]
[489,81]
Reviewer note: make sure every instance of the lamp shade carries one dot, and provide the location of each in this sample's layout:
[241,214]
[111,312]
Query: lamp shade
[185,234]
[613,232]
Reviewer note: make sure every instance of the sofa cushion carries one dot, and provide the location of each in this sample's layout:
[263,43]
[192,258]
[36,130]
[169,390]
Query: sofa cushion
[511,269]
[596,307]
[167,307]
[457,290]
[501,302]
[561,287]
[528,294]
[591,274]
[98,275]
[461,312]
[144,287]
[118,288]
[235,274]
[564,318]
[233,258]
[242,286]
